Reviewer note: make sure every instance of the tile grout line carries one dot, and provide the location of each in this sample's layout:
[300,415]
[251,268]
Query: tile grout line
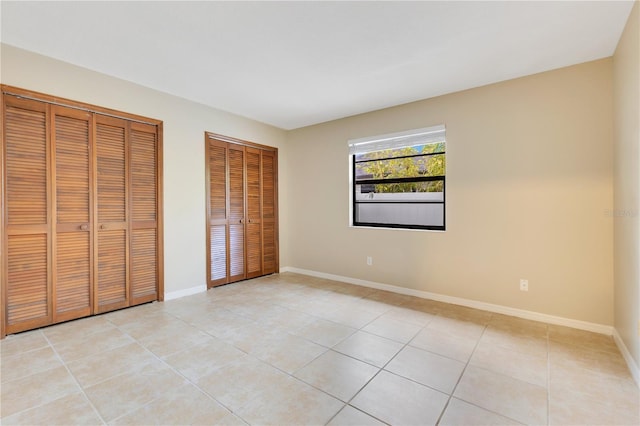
[446,405]
[95,410]
[380,369]
[172,369]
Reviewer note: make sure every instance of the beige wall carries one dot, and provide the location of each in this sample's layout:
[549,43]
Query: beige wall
[626,95]
[184,125]
[529,186]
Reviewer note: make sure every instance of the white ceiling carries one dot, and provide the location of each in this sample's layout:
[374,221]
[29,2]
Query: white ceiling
[292,64]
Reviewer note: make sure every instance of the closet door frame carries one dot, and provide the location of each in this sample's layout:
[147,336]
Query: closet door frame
[208,136]
[50,103]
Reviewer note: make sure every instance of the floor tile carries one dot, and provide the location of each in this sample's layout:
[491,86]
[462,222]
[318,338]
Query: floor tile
[575,409]
[369,348]
[603,361]
[81,346]
[36,389]
[513,398]
[418,405]
[130,391]
[295,403]
[518,326]
[460,413]
[223,325]
[237,383]
[356,318]
[184,405]
[325,333]
[20,343]
[105,365]
[142,324]
[72,409]
[289,353]
[290,320]
[124,317]
[27,363]
[349,416]
[520,365]
[413,316]
[515,341]
[389,297]
[69,331]
[457,327]
[203,359]
[393,329]
[442,343]
[424,367]
[250,338]
[581,338]
[337,374]
[174,338]
[589,387]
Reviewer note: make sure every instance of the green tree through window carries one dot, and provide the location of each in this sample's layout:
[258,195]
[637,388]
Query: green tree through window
[406,162]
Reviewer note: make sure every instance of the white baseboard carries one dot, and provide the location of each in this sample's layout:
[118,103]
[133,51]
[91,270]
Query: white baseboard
[185,292]
[631,363]
[521,313]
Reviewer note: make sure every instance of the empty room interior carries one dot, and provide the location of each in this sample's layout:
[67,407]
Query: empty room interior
[320,213]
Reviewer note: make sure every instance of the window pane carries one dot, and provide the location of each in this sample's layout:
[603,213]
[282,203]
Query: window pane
[414,191]
[423,165]
[401,214]
[400,152]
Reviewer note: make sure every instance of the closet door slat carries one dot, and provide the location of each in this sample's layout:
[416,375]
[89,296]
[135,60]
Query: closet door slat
[236,251]
[254,213]
[269,213]
[218,242]
[144,213]
[72,256]
[112,277]
[27,277]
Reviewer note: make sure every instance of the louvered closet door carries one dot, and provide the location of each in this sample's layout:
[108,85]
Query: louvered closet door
[72,254]
[112,286]
[254,213]
[236,237]
[143,149]
[269,213]
[27,216]
[217,213]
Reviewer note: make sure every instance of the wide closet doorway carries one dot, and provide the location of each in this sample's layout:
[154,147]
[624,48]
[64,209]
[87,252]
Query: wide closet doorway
[242,209]
[81,210]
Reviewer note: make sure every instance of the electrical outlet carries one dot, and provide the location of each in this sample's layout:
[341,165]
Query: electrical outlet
[524,285]
[369,260]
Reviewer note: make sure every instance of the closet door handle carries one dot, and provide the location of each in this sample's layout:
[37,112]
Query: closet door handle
[103,227]
[241,220]
[84,227]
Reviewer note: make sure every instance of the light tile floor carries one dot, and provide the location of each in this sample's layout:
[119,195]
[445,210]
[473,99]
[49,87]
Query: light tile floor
[294,350]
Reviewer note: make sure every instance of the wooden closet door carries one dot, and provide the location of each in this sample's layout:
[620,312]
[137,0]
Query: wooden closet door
[217,154]
[112,278]
[27,216]
[236,196]
[254,212]
[269,212]
[143,150]
[72,236]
